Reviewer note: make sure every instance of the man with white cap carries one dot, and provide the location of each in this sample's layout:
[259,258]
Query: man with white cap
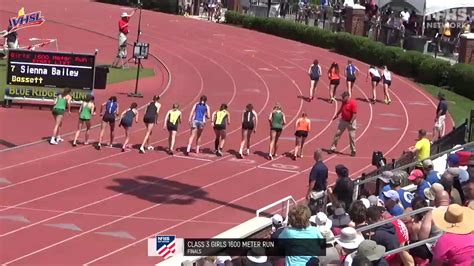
[123,32]
[277,225]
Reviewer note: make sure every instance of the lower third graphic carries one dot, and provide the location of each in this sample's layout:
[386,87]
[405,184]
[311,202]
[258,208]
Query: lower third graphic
[162,246]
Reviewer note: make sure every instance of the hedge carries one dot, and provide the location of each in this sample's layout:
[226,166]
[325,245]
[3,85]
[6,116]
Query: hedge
[412,64]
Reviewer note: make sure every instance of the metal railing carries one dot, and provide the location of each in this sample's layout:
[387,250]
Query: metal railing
[287,199]
[363,181]
[407,247]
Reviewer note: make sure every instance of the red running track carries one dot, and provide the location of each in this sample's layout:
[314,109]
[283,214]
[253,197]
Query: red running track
[59,202]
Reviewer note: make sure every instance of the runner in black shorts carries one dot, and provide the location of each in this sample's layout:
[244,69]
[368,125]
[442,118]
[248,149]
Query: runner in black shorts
[111,111]
[277,121]
[172,119]
[220,119]
[374,74]
[249,126]
[126,121]
[302,127]
[150,119]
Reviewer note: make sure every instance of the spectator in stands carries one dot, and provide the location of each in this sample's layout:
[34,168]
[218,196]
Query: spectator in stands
[358,214]
[300,228]
[422,146]
[340,219]
[256,256]
[405,15]
[385,177]
[404,196]
[432,176]
[384,235]
[349,241]
[447,180]
[223,260]
[374,201]
[360,260]
[468,189]
[324,225]
[430,192]
[418,178]
[344,187]
[420,253]
[277,225]
[460,175]
[317,179]
[373,252]
[392,202]
[428,229]
[456,246]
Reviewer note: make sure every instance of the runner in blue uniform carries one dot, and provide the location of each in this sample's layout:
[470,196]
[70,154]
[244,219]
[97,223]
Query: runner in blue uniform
[111,111]
[197,120]
[126,121]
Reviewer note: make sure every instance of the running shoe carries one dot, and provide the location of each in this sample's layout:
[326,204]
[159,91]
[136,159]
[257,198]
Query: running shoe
[74,144]
[59,139]
[219,153]
[142,149]
[353,154]
[99,146]
[247,152]
[241,156]
[270,157]
[150,148]
[53,142]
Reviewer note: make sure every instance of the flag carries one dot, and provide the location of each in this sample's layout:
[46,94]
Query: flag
[21,12]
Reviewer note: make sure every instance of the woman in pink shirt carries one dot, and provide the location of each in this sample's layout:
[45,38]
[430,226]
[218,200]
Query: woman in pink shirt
[456,246]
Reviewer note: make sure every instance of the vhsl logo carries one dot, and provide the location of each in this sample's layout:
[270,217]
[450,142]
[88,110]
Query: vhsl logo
[162,246]
[27,20]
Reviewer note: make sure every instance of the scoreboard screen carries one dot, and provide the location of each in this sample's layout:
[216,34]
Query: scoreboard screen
[51,69]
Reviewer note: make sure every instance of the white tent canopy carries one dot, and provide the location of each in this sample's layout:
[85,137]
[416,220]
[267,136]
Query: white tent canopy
[432,6]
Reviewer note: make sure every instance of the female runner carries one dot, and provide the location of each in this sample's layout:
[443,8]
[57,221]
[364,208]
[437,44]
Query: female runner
[334,81]
[172,120]
[249,126]
[150,119]
[126,121]
[302,128]
[220,120]
[61,102]
[387,82]
[111,111]
[197,119]
[86,111]
[277,121]
[374,74]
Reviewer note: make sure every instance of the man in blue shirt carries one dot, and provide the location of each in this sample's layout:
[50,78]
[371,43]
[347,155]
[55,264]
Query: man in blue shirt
[432,176]
[318,177]
[392,200]
[404,196]
[418,178]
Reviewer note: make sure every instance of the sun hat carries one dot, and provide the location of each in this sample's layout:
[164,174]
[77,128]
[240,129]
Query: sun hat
[257,255]
[391,194]
[124,14]
[396,180]
[386,176]
[371,250]
[340,218]
[277,219]
[327,234]
[349,238]
[430,192]
[415,174]
[455,219]
[321,220]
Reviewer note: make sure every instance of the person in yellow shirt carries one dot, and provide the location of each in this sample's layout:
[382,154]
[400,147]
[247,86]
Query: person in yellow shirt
[422,146]
[220,120]
[172,120]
